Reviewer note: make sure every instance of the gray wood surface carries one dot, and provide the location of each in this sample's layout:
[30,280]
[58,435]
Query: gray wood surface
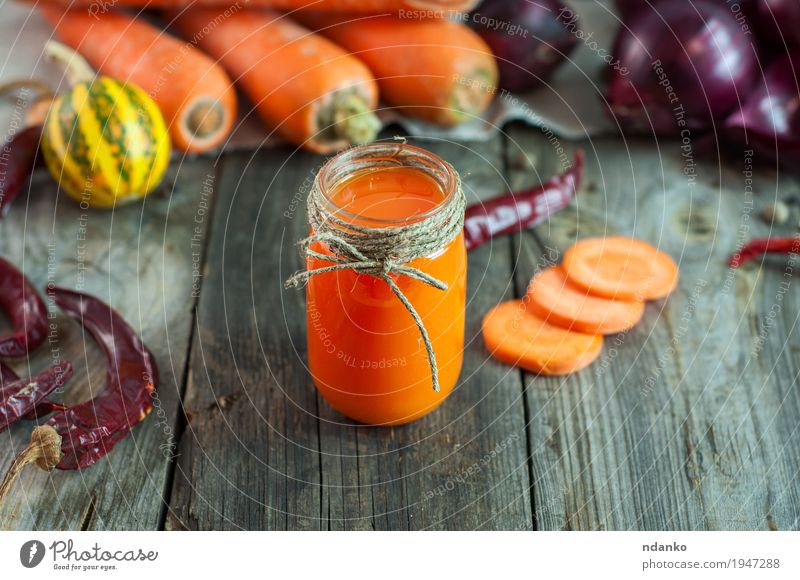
[260,437]
[689,421]
[138,259]
[682,423]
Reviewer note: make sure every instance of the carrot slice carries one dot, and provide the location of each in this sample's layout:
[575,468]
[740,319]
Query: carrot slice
[621,267]
[516,336]
[555,298]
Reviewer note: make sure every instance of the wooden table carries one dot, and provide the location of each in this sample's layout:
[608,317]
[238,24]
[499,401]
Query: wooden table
[690,421]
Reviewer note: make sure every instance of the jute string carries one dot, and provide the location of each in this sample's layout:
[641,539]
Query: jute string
[382,252]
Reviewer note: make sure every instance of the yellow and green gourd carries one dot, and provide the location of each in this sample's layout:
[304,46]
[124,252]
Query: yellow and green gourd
[106,142]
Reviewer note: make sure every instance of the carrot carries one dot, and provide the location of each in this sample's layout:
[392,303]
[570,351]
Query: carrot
[307,88]
[356,6]
[516,336]
[620,267]
[555,298]
[194,94]
[437,70]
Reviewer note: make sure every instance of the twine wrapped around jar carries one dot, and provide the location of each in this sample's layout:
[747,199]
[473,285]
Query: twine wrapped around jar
[382,252]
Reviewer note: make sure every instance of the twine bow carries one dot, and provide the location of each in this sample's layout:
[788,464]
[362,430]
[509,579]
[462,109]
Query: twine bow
[382,252]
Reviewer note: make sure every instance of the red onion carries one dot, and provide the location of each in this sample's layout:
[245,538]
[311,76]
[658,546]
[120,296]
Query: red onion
[769,122]
[529,39]
[779,22]
[683,65]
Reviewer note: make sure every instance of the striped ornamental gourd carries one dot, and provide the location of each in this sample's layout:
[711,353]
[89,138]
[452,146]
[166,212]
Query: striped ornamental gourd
[106,143]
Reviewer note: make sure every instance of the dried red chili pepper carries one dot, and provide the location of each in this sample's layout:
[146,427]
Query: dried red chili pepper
[16,164]
[760,246]
[23,396]
[45,407]
[79,436]
[517,211]
[89,430]
[26,310]
[29,315]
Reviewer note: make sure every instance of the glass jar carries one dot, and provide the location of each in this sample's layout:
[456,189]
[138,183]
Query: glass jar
[365,353]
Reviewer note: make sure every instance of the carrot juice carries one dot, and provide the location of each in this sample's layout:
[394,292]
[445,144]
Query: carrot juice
[365,351]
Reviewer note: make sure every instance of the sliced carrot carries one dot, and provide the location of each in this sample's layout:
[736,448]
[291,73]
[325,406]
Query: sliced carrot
[621,267]
[516,336]
[194,94]
[437,70]
[555,298]
[311,91]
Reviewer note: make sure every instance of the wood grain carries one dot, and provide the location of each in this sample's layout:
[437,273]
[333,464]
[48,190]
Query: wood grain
[249,454]
[263,451]
[678,425]
[690,421]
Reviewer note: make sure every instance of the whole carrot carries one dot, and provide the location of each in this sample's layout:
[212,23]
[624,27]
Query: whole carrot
[193,92]
[361,6]
[434,69]
[305,87]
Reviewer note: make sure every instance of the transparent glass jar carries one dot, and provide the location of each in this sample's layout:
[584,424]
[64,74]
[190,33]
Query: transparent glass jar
[365,353]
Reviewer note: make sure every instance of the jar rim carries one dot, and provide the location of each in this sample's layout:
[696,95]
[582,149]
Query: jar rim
[394,153]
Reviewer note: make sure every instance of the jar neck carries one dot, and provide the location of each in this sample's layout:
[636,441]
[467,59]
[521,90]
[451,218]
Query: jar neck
[385,155]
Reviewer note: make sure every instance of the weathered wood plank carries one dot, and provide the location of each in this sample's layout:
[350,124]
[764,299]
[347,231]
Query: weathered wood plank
[249,454]
[465,465]
[676,426]
[687,422]
[768,312]
[139,259]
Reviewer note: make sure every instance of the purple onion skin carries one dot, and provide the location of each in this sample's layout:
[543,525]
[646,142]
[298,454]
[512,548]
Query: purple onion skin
[779,23]
[705,56]
[769,121]
[542,36]
[627,7]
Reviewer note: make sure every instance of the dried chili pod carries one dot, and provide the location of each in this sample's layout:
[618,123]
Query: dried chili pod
[521,210]
[18,162]
[26,310]
[760,246]
[79,436]
[89,430]
[24,395]
[45,407]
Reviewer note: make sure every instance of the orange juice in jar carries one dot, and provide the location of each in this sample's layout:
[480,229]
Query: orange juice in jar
[366,353]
